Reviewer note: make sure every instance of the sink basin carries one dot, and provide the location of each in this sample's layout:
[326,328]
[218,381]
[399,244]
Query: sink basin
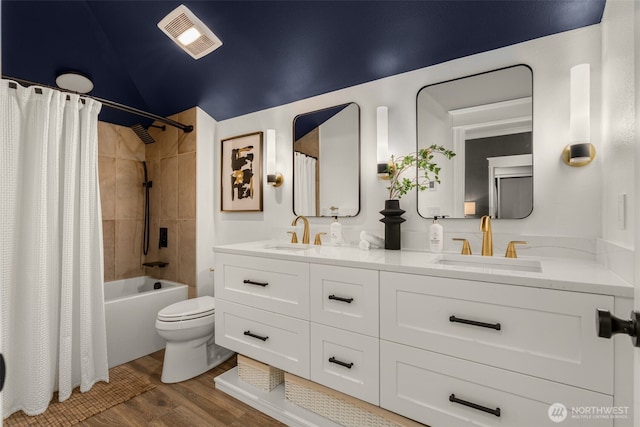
[283,246]
[494,263]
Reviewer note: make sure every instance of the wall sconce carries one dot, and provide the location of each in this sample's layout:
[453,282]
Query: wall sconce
[579,151]
[382,134]
[469,208]
[274,178]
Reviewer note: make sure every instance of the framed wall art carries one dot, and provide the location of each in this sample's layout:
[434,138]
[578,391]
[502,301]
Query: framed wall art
[241,173]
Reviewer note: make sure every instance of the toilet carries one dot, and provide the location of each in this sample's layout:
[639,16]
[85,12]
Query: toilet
[188,328]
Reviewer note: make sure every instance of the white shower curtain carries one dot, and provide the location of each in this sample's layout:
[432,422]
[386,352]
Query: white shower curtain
[51,271]
[305,188]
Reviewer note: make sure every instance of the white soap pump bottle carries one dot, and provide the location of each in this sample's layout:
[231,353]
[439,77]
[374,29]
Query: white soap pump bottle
[436,236]
[335,232]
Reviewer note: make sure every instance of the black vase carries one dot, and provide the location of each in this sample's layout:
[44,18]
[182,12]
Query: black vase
[392,220]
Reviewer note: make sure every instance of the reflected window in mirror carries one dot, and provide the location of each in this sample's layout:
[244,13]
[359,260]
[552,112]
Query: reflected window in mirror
[326,162]
[487,120]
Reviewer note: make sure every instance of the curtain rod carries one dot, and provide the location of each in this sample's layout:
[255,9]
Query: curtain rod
[111,104]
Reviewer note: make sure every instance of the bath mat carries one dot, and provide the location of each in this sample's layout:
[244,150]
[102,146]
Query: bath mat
[124,384]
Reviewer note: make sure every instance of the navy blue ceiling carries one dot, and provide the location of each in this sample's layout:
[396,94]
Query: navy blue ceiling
[273,53]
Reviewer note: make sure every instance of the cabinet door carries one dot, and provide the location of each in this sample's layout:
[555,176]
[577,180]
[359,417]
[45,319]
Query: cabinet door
[271,338]
[440,390]
[546,333]
[270,284]
[345,298]
[345,361]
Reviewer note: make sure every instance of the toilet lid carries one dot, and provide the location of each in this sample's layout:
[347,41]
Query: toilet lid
[188,309]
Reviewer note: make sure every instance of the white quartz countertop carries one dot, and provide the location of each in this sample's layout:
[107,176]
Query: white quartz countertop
[563,274]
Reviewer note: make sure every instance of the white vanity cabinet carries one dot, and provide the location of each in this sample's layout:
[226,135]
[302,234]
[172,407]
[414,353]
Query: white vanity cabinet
[272,338]
[346,361]
[440,390]
[345,298]
[442,347]
[270,284]
[262,310]
[344,330]
[540,332]
[456,350]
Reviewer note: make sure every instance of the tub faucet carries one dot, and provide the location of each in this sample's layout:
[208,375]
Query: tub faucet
[305,234]
[487,237]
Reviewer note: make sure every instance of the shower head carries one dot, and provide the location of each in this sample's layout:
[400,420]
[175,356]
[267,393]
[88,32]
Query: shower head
[143,134]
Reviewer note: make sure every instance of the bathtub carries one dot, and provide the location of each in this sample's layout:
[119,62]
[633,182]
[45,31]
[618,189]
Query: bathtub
[131,307]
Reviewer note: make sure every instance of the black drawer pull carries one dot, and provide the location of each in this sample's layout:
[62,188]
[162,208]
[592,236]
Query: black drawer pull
[248,333]
[251,282]
[495,326]
[454,399]
[340,362]
[347,300]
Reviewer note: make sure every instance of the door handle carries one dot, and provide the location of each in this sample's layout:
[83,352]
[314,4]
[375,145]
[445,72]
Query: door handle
[2,371]
[608,325]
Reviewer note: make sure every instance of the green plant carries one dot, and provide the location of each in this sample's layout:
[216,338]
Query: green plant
[427,170]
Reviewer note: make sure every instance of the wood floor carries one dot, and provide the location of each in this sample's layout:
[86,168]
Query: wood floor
[195,402]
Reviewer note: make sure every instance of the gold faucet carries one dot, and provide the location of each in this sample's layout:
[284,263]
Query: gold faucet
[466,248]
[511,248]
[305,234]
[487,237]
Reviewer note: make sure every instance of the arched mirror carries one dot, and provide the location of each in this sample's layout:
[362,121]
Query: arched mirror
[326,159]
[486,119]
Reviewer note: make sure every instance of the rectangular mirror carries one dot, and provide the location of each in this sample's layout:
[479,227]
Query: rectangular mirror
[486,119]
[326,159]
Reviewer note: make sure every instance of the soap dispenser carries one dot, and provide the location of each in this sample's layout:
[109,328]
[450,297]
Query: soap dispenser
[335,232]
[436,236]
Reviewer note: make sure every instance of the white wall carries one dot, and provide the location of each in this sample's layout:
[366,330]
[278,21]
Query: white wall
[637,201]
[620,142]
[205,167]
[567,200]
[1,284]
[636,364]
[618,121]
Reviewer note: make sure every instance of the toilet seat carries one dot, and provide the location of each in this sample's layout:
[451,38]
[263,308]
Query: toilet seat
[188,310]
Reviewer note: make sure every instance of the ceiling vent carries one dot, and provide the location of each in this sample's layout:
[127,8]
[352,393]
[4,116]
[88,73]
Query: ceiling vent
[188,32]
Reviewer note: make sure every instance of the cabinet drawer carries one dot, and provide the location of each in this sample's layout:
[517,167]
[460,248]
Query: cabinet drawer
[440,390]
[346,298]
[346,362]
[546,333]
[271,284]
[271,338]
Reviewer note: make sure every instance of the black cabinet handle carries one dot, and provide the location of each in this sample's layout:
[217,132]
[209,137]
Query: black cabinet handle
[340,362]
[2,371]
[455,319]
[454,399]
[251,282]
[347,300]
[249,334]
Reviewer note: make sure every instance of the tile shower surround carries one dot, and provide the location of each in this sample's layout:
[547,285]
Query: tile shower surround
[171,166]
